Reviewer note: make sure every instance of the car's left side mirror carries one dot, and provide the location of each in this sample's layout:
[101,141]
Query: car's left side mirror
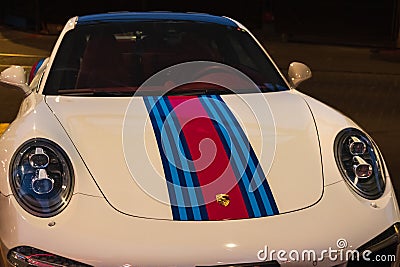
[298,72]
[15,77]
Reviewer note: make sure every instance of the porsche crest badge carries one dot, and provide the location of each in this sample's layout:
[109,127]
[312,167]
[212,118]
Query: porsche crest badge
[223,199]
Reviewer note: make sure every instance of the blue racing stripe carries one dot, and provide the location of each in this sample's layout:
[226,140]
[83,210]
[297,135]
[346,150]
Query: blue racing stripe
[173,153]
[244,160]
[170,171]
[259,186]
[228,148]
[182,162]
[237,165]
[183,187]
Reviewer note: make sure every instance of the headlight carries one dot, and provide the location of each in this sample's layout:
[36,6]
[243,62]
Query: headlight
[360,163]
[41,177]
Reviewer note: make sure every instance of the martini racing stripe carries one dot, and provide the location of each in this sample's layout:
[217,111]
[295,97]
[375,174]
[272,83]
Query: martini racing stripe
[250,175]
[212,165]
[192,187]
[181,184]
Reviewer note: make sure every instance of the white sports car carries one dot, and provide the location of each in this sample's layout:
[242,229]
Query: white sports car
[172,139]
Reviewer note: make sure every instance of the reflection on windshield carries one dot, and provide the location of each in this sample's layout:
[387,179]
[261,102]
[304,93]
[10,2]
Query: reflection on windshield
[117,58]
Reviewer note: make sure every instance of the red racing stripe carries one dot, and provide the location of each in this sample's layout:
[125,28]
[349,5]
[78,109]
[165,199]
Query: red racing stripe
[214,172]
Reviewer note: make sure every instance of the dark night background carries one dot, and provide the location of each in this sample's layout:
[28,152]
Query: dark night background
[360,22]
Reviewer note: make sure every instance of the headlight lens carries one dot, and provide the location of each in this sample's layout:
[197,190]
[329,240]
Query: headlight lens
[41,177]
[360,163]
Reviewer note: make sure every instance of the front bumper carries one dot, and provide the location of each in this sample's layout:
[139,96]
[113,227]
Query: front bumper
[384,248]
[91,231]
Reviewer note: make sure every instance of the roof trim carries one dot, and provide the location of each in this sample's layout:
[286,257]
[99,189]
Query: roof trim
[154,15]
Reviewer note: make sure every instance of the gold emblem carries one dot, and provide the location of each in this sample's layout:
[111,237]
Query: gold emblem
[223,199]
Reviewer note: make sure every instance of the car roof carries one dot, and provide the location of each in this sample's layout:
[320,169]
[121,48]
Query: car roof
[154,15]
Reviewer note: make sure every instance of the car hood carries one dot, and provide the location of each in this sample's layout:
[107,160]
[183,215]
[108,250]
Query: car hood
[197,157]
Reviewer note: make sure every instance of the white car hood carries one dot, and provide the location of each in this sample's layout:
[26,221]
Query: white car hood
[147,168]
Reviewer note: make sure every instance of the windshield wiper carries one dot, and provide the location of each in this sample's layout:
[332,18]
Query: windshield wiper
[92,92]
[206,91]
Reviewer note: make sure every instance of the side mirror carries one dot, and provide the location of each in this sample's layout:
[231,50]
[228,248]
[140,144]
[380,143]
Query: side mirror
[15,76]
[298,72]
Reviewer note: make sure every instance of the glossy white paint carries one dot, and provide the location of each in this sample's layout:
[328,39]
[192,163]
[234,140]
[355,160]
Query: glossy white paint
[329,123]
[36,120]
[114,239]
[95,126]
[70,25]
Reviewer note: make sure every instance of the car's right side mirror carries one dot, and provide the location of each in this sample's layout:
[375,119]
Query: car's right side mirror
[298,72]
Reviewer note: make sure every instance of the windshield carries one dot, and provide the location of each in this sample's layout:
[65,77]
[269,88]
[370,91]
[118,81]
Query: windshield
[117,58]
